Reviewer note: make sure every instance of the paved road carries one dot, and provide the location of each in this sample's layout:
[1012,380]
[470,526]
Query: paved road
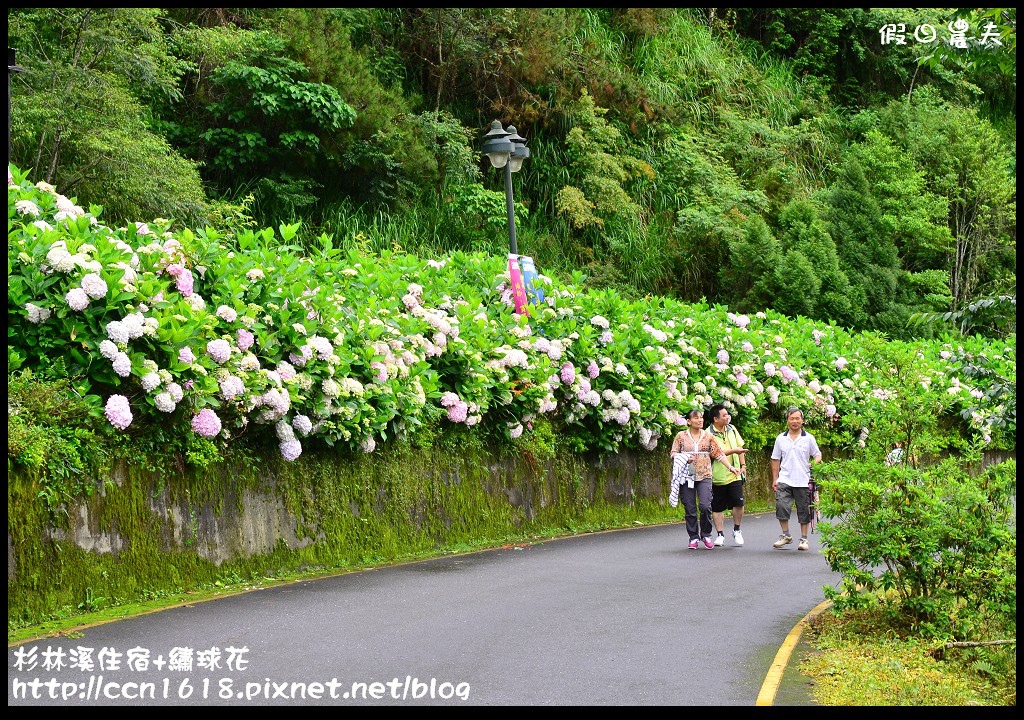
[627,617]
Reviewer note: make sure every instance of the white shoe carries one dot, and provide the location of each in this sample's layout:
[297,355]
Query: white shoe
[737,537]
[783,540]
[720,541]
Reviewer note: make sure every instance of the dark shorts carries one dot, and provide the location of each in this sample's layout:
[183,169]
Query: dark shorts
[726,497]
[785,496]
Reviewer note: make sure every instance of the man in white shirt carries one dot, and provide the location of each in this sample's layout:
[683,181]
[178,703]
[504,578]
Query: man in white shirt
[791,475]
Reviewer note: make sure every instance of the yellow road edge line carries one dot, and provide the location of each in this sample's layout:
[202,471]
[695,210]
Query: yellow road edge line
[778,667]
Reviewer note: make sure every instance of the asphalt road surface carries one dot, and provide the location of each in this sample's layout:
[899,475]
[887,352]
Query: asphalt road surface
[627,617]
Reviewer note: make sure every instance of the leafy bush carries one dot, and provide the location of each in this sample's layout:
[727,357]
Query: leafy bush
[54,432]
[930,534]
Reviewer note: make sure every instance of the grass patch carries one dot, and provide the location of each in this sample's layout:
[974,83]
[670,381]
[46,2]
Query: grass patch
[858,658]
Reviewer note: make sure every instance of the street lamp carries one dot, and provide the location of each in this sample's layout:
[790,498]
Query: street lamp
[507,149]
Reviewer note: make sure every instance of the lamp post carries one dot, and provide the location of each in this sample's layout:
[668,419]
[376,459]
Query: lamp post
[507,150]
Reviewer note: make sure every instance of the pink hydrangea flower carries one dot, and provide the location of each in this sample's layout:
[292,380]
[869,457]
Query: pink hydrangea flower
[285,370]
[118,411]
[593,370]
[185,283]
[186,355]
[231,387]
[206,423]
[841,362]
[219,350]
[458,412]
[567,373]
[122,364]
[245,339]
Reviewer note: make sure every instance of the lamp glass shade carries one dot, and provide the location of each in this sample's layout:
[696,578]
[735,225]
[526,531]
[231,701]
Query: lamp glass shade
[498,159]
[498,150]
[518,155]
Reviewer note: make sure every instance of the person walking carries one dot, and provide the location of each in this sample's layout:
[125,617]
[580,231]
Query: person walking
[791,474]
[695,492]
[726,487]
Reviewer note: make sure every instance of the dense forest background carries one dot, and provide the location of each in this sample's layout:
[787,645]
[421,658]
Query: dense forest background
[755,158]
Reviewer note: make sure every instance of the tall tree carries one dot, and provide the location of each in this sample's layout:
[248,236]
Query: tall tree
[79,119]
[967,164]
[867,252]
[802,228]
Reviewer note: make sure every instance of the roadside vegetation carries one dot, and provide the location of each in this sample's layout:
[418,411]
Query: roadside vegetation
[926,613]
[232,228]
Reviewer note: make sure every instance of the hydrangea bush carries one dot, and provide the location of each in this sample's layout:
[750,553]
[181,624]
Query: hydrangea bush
[226,333]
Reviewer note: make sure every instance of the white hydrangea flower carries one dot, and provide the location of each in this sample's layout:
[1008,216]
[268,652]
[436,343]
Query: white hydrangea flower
[150,381]
[164,402]
[36,314]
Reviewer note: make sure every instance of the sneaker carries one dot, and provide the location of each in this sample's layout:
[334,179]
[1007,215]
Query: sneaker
[803,545]
[720,541]
[737,537]
[783,541]
[709,543]
[693,544]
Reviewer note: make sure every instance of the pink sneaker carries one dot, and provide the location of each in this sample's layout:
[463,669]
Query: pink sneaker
[693,544]
[709,543]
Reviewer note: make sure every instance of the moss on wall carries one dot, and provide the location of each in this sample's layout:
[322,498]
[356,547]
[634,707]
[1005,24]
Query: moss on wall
[152,533]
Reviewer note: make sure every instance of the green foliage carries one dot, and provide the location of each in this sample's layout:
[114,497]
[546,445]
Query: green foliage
[265,117]
[601,169]
[868,253]
[933,531]
[79,113]
[539,443]
[976,185]
[54,433]
[804,230]
[835,48]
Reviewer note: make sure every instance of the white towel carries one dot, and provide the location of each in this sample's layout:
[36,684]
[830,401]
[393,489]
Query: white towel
[680,471]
